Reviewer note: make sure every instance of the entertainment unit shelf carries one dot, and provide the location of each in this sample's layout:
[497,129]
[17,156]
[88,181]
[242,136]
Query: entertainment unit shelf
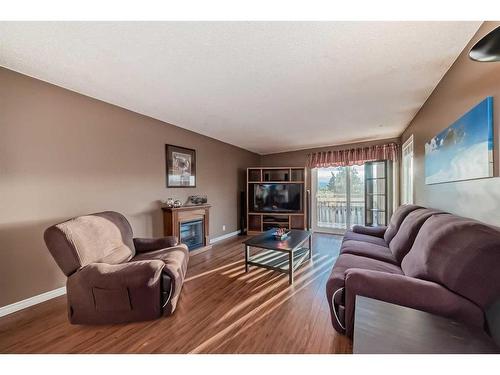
[259,221]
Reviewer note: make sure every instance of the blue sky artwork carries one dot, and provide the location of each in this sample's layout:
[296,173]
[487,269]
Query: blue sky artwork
[464,150]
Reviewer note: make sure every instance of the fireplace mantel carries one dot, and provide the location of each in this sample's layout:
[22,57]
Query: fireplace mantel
[173,217]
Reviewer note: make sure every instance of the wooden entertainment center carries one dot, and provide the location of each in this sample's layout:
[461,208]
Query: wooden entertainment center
[259,220]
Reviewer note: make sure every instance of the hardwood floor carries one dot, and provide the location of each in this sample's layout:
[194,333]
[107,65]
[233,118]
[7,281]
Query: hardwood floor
[221,310]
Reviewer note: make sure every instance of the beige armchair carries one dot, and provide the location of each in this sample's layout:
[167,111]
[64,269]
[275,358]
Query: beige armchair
[113,277]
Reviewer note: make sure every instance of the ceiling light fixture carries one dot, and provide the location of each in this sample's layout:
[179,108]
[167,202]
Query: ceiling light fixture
[488,48]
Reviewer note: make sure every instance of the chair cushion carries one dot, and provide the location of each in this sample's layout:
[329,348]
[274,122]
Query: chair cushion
[368,250]
[350,235]
[461,254]
[408,230]
[104,237]
[397,218]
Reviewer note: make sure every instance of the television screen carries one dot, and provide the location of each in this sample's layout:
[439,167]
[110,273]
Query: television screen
[276,198]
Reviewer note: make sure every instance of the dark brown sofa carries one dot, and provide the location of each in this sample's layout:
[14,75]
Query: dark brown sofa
[425,259]
[113,277]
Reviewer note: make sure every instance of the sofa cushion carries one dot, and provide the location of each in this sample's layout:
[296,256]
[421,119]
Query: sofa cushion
[408,230]
[336,280]
[397,218]
[459,253]
[410,292]
[377,231]
[349,235]
[348,261]
[368,250]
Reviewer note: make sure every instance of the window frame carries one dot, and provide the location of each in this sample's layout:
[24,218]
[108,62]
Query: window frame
[408,176]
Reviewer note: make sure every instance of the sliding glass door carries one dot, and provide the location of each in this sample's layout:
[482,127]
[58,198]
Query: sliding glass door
[339,198]
[345,196]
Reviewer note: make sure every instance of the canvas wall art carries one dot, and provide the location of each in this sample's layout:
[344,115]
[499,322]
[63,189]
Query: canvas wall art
[181,166]
[464,150]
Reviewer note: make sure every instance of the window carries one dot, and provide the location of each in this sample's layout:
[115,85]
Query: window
[407,165]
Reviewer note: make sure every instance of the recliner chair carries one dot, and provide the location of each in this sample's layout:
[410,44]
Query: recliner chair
[113,277]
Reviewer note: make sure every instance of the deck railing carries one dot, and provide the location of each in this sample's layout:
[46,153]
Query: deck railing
[332,213]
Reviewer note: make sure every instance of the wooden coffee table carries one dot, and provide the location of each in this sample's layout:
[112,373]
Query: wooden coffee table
[283,256]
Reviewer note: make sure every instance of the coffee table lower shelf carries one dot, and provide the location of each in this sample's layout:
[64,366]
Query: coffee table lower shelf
[279,261]
[282,256]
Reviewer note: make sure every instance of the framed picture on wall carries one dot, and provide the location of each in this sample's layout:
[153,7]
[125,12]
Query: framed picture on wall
[181,166]
[464,150]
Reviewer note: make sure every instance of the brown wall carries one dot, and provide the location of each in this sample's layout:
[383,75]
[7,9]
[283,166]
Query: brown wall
[464,85]
[63,154]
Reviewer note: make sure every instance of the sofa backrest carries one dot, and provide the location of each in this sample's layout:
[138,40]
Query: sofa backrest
[459,253]
[397,218]
[104,237]
[408,230]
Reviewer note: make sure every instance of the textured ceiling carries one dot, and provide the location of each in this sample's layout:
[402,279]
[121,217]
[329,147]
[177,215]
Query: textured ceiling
[263,86]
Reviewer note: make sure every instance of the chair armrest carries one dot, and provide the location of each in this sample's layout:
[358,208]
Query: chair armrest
[410,292]
[143,245]
[371,231]
[101,293]
[130,275]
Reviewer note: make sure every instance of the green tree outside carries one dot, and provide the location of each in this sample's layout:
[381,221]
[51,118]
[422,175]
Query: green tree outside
[338,182]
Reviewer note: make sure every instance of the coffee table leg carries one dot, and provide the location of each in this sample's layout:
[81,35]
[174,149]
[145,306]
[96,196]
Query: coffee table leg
[290,267]
[247,254]
[310,247]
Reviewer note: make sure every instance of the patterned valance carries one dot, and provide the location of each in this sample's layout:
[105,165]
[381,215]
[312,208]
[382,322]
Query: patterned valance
[353,156]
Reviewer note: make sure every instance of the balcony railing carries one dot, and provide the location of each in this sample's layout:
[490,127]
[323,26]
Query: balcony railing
[333,213]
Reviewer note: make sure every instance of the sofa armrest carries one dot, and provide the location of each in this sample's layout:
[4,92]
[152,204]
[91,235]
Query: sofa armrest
[143,245]
[410,292]
[371,231]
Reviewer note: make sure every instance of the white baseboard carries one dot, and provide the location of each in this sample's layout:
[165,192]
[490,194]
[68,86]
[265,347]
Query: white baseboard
[9,309]
[12,308]
[224,237]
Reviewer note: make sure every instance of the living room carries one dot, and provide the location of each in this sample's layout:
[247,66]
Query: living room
[234,185]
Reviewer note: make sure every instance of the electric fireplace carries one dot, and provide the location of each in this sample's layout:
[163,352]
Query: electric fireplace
[192,234]
[190,224]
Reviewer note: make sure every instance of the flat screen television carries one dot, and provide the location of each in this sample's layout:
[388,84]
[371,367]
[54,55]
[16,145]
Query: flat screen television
[275,198]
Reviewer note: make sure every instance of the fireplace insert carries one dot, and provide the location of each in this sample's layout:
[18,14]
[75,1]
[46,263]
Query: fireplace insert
[192,234]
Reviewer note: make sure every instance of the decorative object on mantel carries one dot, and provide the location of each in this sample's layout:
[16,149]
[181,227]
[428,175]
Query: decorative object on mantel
[464,150]
[168,203]
[181,166]
[487,49]
[177,203]
[196,199]
[281,234]
[353,156]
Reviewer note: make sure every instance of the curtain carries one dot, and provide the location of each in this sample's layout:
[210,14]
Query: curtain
[353,156]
